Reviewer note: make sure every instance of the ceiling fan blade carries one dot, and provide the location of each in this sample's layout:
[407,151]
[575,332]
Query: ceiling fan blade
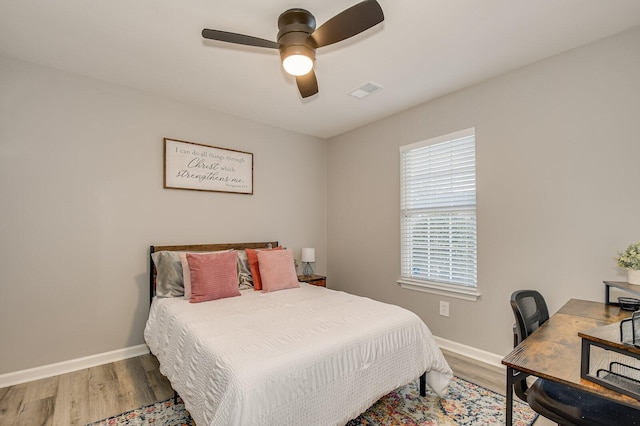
[239,39]
[307,84]
[348,23]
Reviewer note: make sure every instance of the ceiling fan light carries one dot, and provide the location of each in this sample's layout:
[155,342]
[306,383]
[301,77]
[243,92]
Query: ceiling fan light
[297,64]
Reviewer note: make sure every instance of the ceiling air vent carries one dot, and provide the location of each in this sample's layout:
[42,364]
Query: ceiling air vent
[366,90]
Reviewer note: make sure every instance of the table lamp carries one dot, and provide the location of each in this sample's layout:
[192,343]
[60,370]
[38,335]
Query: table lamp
[308,256]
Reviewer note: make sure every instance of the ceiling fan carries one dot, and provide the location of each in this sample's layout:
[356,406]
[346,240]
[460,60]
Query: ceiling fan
[298,38]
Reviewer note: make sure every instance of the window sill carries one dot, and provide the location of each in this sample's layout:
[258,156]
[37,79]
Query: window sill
[458,292]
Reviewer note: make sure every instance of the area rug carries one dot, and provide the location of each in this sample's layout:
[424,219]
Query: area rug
[465,404]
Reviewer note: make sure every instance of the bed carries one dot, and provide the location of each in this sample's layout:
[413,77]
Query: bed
[307,355]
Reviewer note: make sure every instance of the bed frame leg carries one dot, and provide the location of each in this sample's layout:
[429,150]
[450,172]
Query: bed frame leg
[423,384]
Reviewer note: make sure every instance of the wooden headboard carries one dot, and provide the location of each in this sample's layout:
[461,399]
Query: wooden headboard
[199,247]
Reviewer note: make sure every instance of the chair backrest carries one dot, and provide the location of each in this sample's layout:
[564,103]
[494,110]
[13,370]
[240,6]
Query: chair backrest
[530,311]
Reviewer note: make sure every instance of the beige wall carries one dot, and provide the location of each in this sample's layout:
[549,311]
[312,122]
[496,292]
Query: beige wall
[82,200]
[558,167]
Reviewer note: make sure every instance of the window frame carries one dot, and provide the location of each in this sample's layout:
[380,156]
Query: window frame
[460,290]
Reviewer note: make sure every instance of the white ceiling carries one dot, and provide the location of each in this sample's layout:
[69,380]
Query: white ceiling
[423,50]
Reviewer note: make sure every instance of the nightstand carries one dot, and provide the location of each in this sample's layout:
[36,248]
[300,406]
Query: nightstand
[318,280]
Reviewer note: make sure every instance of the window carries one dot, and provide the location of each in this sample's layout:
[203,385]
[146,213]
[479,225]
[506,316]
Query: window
[438,215]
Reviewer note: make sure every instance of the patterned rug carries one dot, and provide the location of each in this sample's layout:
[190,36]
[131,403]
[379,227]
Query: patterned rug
[465,404]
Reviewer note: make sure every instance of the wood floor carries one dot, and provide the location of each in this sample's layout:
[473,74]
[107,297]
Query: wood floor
[99,392]
[85,396]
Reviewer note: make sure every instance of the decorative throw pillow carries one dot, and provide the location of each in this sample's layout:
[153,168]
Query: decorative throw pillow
[186,273]
[277,270]
[244,272]
[169,281]
[213,276]
[255,268]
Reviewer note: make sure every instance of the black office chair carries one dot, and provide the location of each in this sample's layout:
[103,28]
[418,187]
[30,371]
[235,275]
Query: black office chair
[530,310]
[560,403]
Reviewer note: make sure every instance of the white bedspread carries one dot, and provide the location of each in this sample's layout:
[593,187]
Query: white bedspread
[306,356]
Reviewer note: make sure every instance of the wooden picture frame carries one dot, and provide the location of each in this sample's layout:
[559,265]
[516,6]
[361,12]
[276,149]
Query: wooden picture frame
[198,167]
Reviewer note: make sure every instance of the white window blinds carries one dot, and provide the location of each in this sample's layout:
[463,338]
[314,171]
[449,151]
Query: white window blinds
[438,210]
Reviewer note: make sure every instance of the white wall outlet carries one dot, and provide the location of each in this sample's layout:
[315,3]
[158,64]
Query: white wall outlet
[444,308]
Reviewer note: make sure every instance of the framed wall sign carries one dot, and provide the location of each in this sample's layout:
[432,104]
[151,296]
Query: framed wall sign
[198,167]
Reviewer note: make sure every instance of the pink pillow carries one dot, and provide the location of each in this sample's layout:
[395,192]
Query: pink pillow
[213,276]
[252,258]
[186,274]
[277,270]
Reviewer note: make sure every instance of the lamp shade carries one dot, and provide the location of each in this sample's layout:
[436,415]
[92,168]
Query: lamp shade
[308,255]
[297,59]
[297,64]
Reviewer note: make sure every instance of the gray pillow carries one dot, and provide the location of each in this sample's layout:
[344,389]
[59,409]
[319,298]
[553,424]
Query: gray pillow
[244,273]
[169,282]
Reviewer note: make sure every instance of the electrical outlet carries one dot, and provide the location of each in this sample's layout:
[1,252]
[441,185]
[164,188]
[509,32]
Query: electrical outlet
[444,308]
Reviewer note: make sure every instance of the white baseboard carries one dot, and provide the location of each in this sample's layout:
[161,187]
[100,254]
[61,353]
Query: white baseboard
[488,359]
[22,376]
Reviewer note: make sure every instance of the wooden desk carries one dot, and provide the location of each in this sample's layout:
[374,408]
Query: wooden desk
[553,351]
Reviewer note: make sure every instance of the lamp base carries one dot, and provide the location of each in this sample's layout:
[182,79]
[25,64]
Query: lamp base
[307,271]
